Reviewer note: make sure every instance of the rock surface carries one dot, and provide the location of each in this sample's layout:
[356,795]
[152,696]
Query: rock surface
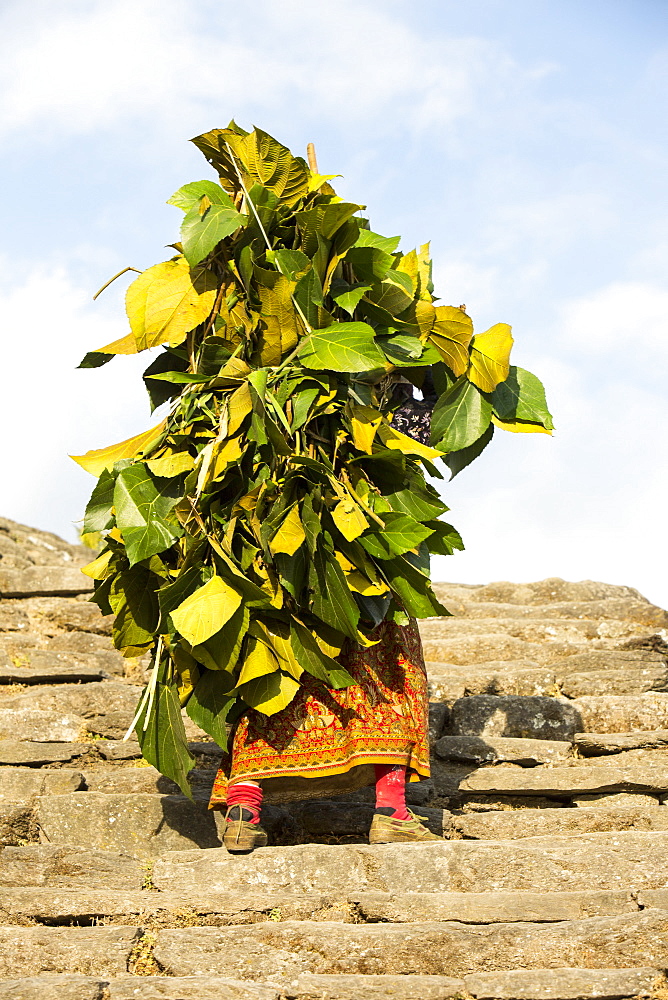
[549,732]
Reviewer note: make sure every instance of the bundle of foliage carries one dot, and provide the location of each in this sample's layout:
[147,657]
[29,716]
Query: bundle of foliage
[275,513]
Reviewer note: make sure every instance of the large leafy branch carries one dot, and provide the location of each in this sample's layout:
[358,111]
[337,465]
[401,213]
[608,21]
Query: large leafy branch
[276,513]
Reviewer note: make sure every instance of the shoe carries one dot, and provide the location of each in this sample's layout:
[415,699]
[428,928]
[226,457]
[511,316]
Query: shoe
[240,836]
[387,830]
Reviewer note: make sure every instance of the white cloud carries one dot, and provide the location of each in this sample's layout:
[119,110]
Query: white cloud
[630,317]
[70,70]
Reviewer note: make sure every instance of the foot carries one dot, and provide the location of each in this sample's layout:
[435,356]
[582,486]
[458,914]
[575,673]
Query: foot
[241,836]
[387,830]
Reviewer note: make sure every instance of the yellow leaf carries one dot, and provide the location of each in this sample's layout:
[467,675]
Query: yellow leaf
[349,519]
[276,635]
[271,693]
[240,405]
[451,335]
[225,454]
[424,273]
[97,569]
[365,421]
[519,426]
[328,639]
[205,612]
[316,181]
[258,661]
[490,357]
[359,583]
[125,345]
[280,329]
[405,444]
[235,368]
[172,463]
[187,672]
[289,536]
[104,458]
[167,301]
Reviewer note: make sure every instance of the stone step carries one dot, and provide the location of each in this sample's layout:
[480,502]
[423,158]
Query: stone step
[468,650]
[90,906]
[449,682]
[534,630]
[87,951]
[69,867]
[557,718]
[499,749]
[285,950]
[627,860]
[35,754]
[566,782]
[515,824]
[634,681]
[541,984]
[44,581]
[605,744]
[615,610]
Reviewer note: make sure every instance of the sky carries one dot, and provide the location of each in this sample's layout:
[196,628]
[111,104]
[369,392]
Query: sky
[525,138]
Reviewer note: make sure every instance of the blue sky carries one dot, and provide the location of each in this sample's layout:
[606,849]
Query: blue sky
[525,138]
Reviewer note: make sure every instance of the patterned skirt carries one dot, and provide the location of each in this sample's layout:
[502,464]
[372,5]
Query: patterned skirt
[326,742]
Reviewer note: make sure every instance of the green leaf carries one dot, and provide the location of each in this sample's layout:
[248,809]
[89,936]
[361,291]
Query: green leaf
[311,523]
[388,244]
[139,586]
[141,509]
[342,347]
[221,650]
[210,704]
[458,460]
[311,658]
[95,359]
[369,264]
[190,195]
[292,263]
[181,378]
[412,588]
[158,392]
[417,504]
[347,296]
[460,417]
[201,232]
[445,539]
[164,742]
[400,534]
[332,600]
[521,397]
[98,514]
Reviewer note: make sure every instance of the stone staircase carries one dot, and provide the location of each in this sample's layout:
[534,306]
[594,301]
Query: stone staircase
[549,723]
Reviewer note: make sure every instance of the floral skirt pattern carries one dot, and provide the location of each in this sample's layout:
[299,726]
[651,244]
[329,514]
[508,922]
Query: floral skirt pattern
[327,741]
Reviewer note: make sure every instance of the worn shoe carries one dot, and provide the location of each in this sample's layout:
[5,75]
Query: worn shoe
[240,835]
[387,830]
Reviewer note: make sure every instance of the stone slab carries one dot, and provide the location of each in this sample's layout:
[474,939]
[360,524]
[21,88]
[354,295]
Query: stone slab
[88,951]
[621,713]
[563,984]
[474,649]
[520,823]
[638,799]
[608,660]
[627,860]
[51,675]
[188,988]
[604,744]
[37,754]
[131,906]
[345,987]
[24,784]
[494,907]
[632,680]
[40,725]
[565,782]
[46,581]
[528,718]
[16,825]
[499,749]
[52,988]
[140,824]
[442,949]
[48,866]
[106,706]
[448,682]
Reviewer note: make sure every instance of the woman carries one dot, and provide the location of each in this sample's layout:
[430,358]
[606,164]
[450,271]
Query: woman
[329,741]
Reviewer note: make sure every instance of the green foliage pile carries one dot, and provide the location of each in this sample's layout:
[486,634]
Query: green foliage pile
[276,513]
